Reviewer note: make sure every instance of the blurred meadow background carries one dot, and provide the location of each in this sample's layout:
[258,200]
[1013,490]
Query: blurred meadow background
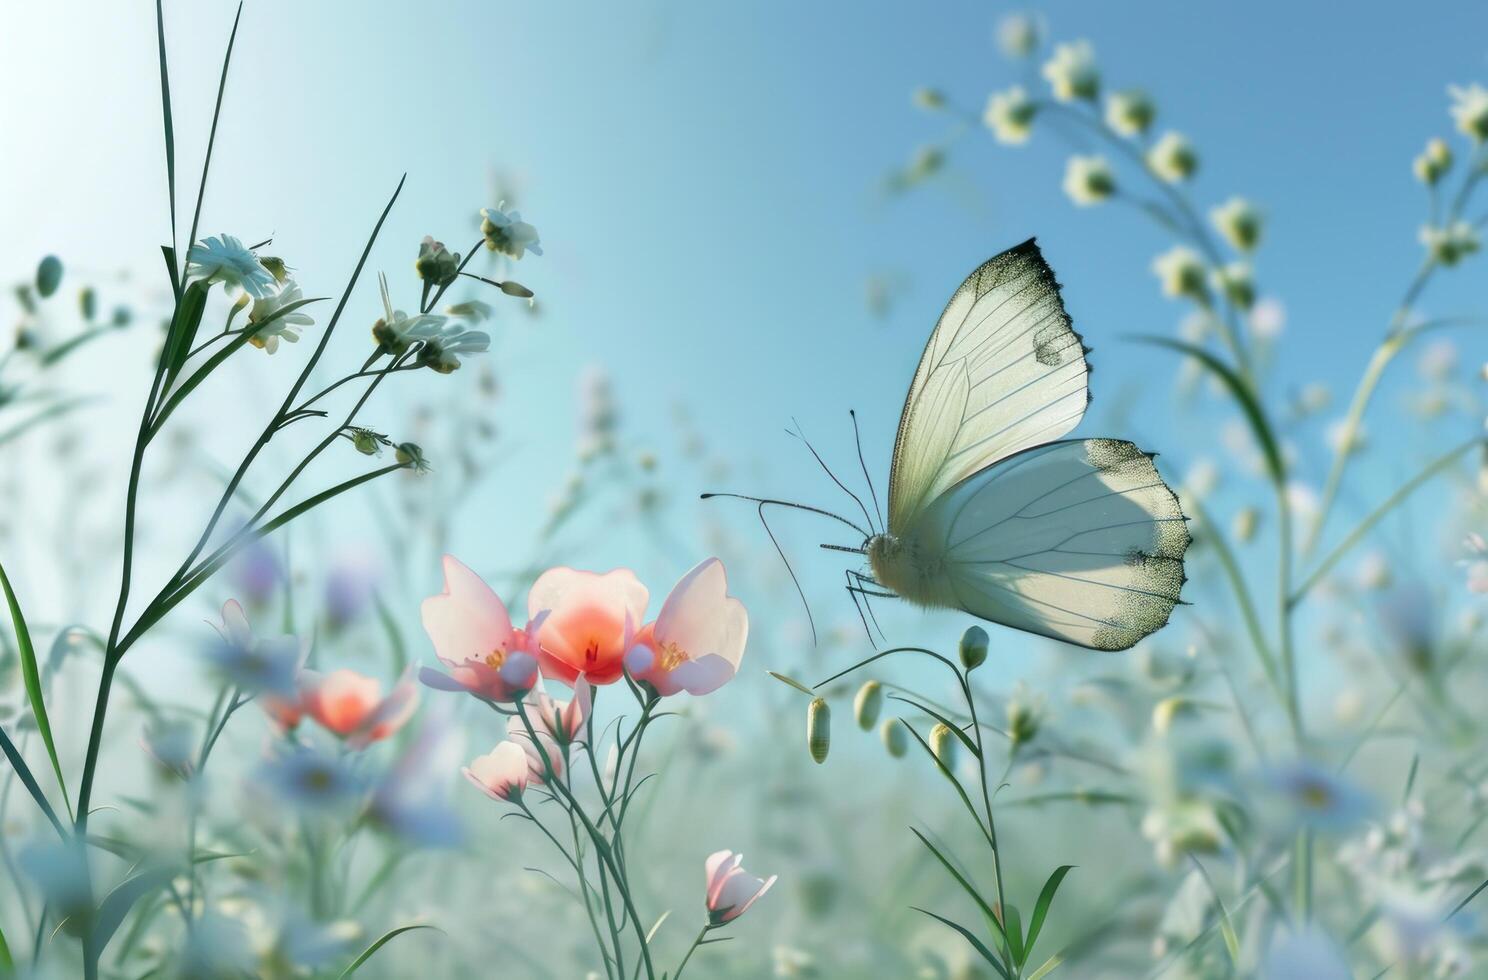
[750,217]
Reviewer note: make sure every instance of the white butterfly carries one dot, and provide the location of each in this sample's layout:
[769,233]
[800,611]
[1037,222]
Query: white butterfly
[1079,540]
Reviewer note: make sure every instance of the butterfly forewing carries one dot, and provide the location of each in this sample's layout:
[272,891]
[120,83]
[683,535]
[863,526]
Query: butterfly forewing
[1004,371]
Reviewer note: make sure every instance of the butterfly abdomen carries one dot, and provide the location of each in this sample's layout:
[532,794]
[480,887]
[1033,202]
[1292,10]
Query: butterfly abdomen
[911,569]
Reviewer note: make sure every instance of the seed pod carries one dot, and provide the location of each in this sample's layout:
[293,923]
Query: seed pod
[943,744]
[88,303]
[819,729]
[868,704]
[894,737]
[974,648]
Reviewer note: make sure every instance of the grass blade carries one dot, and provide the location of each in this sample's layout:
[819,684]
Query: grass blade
[1041,907]
[201,190]
[170,138]
[382,941]
[32,677]
[1048,967]
[13,755]
[969,888]
[976,943]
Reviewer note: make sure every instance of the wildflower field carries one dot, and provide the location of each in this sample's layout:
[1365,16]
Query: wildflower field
[620,493]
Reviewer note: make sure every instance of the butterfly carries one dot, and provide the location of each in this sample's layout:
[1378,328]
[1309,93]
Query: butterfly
[990,510]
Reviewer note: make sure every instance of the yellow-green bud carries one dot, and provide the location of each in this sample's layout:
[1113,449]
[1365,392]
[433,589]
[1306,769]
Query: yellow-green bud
[929,99]
[1434,162]
[276,267]
[819,729]
[1245,522]
[943,744]
[868,704]
[895,739]
[516,289]
[410,455]
[1022,722]
[88,303]
[974,647]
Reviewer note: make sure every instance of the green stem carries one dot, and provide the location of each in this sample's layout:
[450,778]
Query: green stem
[702,934]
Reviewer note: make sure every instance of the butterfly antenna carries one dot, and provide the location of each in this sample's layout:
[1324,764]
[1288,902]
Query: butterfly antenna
[781,552]
[856,499]
[859,607]
[858,438]
[786,503]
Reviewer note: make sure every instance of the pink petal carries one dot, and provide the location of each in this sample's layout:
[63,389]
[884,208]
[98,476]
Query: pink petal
[467,621]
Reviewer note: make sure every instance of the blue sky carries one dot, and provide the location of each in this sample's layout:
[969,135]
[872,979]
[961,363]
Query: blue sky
[707,181]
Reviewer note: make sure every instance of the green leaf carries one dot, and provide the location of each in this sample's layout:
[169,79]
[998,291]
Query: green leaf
[170,141]
[32,678]
[945,771]
[976,943]
[183,328]
[1048,967]
[792,682]
[57,352]
[1041,907]
[382,941]
[1012,925]
[970,889]
[48,276]
[7,962]
[116,906]
[1243,395]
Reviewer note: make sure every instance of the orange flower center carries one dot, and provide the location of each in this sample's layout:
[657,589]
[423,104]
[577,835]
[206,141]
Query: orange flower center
[591,652]
[496,658]
[671,656]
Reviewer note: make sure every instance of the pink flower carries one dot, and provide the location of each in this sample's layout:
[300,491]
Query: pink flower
[537,761]
[352,706]
[698,639]
[285,713]
[502,773]
[731,889]
[473,636]
[562,720]
[591,622]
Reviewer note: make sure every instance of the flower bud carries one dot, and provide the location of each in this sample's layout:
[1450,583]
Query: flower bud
[868,704]
[1130,113]
[516,289]
[819,729]
[366,442]
[973,647]
[435,264]
[88,303]
[1245,523]
[1434,162]
[943,744]
[929,99]
[410,455]
[276,267]
[48,276]
[1173,158]
[895,740]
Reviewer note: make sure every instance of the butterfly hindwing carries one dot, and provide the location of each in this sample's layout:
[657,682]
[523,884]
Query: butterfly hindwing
[1079,540]
[1003,371]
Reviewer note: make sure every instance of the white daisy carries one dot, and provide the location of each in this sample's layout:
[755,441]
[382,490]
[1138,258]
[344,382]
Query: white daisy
[227,260]
[507,233]
[285,325]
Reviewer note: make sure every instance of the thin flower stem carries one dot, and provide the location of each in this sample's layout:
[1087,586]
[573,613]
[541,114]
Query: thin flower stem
[702,934]
[1236,579]
[584,887]
[601,846]
[976,729]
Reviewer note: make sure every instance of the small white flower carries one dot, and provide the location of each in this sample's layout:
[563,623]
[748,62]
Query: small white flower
[1072,73]
[1470,110]
[1434,162]
[227,260]
[397,330]
[1010,115]
[1438,361]
[1237,283]
[1089,180]
[1181,272]
[1018,35]
[1317,797]
[1450,244]
[1239,222]
[286,326]
[1173,158]
[1130,113]
[444,342]
[507,233]
[1268,319]
[1341,442]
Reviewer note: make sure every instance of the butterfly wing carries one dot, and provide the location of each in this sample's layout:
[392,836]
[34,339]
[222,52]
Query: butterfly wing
[1003,371]
[1079,540]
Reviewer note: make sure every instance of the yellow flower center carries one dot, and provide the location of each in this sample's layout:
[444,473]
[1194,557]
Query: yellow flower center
[496,658]
[1316,796]
[671,656]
